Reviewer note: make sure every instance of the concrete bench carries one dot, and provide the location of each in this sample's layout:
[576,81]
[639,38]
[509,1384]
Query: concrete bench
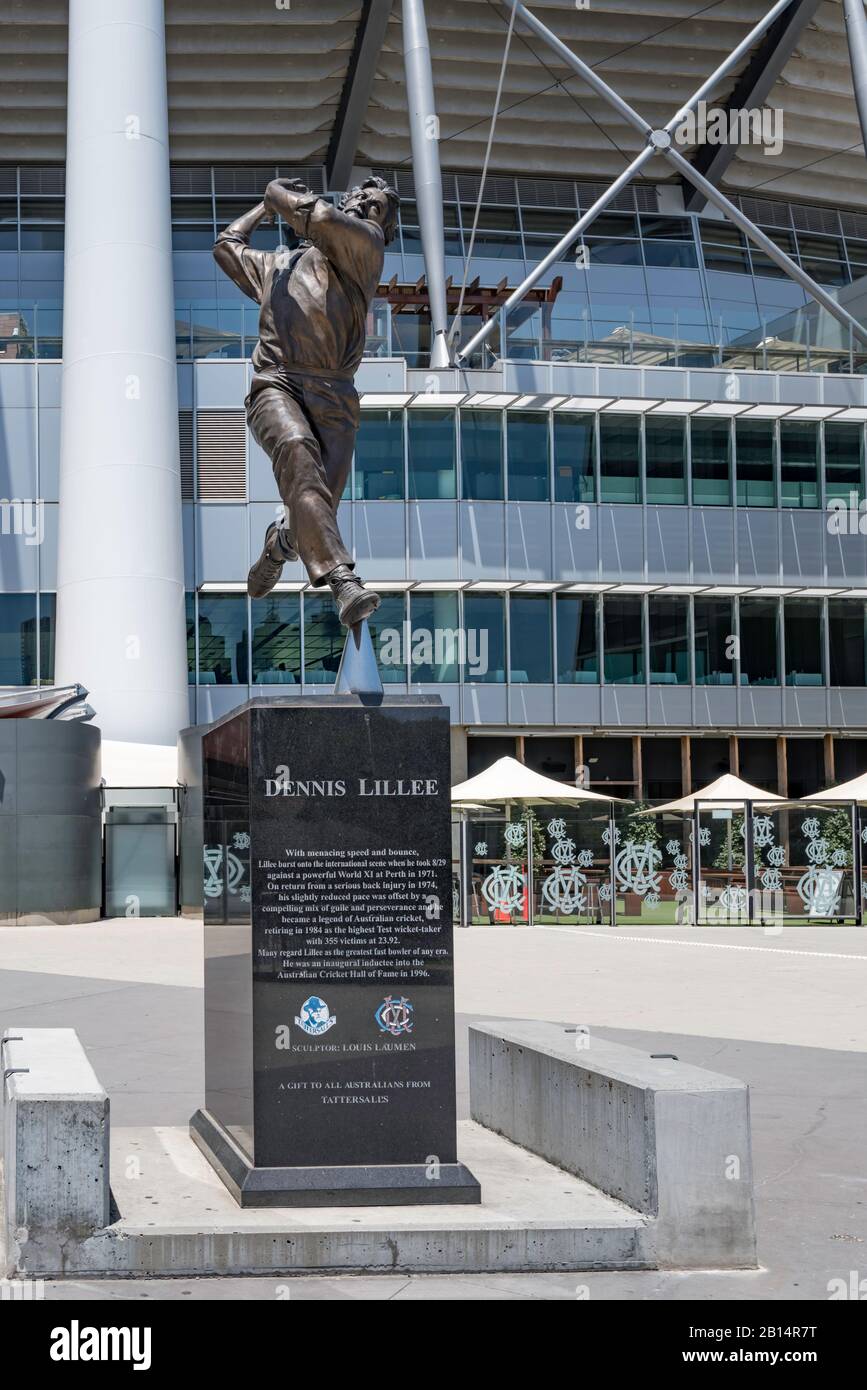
[55,1140]
[667,1139]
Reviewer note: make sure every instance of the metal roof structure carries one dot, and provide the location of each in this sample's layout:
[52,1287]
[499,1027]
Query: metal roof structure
[324,84]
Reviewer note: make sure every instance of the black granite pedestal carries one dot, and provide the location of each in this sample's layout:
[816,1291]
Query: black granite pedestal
[329,1047]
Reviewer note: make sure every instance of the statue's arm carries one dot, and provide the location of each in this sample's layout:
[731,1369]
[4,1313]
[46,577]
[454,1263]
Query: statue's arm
[356,246]
[237,259]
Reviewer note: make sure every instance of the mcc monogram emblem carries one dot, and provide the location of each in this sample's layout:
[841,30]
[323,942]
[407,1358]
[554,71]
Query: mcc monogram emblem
[394,1016]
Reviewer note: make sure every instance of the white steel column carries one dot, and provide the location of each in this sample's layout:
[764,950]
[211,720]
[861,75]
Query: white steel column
[424,135]
[120,621]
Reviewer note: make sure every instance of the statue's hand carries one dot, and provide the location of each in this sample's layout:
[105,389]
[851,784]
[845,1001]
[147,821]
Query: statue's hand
[287,185]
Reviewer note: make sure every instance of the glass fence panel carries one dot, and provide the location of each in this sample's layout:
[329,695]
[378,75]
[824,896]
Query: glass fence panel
[499,880]
[652,867]
[552,866]
[818,884]
[722,880]
[226,864]
[571,866]
[861,830]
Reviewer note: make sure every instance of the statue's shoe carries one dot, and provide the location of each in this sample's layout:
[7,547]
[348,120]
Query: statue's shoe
[354,602]
[269,566]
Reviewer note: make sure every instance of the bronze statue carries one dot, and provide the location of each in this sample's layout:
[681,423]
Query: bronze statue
[303,407]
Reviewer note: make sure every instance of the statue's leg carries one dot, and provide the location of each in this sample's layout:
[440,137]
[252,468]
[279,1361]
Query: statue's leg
[281,424]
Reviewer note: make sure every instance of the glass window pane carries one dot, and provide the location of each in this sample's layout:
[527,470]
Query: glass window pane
[323,639]
[435,644]
[530,641]
[200,210]
[528,456]
[387,631]
[276,624]
[759,641]
[846,642]
[217,331]
[17,639]
[623,642]
[482,455]
[803,641]
[190,606]
[601,252]
[577,650]
[844,454]
[47,630]
[222,639]
[667,228]
[491,215]
[669,641]
[485,635]
[754,444]
[574,457]
[620,455]
[409,213]
[711,463]
[799,463]
[714,642]
[680,254]
[724,247]
[379,456]
[665,453]
[546,220]
[432,453]
[190,237]
[34,238]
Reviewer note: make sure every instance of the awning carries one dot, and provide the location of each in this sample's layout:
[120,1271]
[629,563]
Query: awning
[854,790]
[508,780]
[727,793]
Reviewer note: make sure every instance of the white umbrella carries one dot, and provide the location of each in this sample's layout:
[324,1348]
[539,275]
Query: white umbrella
[726,793]
[855,790]
[508,780]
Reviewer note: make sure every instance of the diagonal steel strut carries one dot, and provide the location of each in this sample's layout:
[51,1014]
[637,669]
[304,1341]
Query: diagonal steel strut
[660,142]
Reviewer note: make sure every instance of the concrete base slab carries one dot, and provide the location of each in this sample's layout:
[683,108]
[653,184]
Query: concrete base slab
[379,1185]
[177,1218]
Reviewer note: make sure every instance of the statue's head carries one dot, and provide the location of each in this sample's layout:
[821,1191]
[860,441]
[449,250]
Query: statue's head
[374,201]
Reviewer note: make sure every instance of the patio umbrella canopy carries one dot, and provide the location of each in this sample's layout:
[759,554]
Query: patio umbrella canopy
[727,793]
[856,790]
[508,780]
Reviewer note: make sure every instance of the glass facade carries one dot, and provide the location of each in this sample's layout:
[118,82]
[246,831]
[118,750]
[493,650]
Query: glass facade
[482,455]
[379,456]
[715,642]
[432,454]
[623,641]
[665,459]
[620,458]
[574,457]
[759,637]
[619,303]
[711,446]
[432,637]
[222,634]
[844,461]
[527,445]
[668,620]
[755,449]
[577,640]
[530,639]
[20,652]
[275,625]
[799,464]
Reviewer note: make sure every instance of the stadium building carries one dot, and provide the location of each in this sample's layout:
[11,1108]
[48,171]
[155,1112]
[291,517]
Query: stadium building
[623,537]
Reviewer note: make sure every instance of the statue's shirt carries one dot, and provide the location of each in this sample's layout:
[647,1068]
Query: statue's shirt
[314,300]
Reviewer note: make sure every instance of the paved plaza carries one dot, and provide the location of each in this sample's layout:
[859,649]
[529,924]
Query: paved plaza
[785,1013]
